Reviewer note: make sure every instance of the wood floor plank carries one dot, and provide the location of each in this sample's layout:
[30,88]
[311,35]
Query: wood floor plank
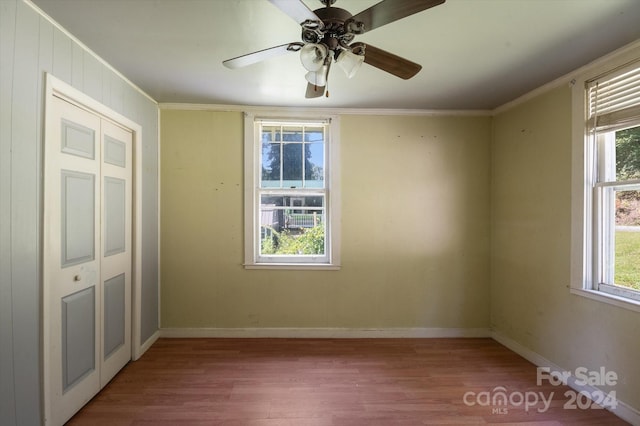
[327,382]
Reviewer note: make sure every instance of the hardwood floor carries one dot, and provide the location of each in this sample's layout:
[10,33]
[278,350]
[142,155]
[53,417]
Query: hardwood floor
[313,382]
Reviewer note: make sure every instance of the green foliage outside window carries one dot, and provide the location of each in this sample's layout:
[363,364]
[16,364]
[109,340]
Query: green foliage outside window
[627,243]
[628,154]
[627,273]
[309,242]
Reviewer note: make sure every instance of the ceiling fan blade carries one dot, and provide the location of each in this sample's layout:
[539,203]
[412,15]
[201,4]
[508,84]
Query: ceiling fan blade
[297,10]
[390,63]
[314,91]
[388,11]
[261,55]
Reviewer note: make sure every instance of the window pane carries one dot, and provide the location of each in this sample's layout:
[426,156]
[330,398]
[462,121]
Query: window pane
[292,134]
[271,134]
[298,204]
[628,154]
[292,225]
[292,165]
[314,134]
[314,165]
[314,157]
[270,165]
[627,239]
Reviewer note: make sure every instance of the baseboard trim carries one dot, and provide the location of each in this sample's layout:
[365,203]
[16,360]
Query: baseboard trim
[335,333]
[623,410]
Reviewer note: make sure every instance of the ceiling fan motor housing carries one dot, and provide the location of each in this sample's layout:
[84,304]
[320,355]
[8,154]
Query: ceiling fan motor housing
[334,33]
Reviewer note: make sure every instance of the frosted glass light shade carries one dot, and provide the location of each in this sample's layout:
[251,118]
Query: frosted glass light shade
[349,62]
[313,55]
[319,78]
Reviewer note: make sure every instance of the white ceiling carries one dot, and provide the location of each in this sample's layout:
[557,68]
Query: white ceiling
[476,54]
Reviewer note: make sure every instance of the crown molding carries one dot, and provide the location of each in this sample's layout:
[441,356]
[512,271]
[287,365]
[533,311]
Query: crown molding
[568,79]
[325,111]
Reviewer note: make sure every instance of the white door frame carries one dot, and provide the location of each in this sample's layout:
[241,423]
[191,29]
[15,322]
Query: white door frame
[59,88]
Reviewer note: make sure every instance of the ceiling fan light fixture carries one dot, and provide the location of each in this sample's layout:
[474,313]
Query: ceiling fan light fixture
[349,62]
[327,35]
[318,78]
[313,56]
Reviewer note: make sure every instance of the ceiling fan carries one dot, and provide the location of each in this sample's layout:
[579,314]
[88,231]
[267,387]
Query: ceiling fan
[327,37]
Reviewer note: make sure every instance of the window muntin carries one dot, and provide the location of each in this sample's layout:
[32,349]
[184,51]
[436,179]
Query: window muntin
[289,200]
[613,173]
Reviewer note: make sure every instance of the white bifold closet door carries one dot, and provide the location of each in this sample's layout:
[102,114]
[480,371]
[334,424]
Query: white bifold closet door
[87,256]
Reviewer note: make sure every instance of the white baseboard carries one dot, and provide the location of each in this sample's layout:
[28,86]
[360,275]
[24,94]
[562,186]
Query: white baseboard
[622,410]
[335,333]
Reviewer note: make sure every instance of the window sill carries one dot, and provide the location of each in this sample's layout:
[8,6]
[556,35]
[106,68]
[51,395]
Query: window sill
[294,266]
[610,299]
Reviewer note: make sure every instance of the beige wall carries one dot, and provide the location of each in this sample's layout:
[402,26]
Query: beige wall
[415,228]
[437,192]
[531,250]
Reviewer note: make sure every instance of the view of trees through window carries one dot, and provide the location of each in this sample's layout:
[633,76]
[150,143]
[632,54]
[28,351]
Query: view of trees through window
[627,213]
[292,203]
[292,157]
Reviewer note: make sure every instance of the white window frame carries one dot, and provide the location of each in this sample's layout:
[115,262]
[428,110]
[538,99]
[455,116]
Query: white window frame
[590,224]
[252,167]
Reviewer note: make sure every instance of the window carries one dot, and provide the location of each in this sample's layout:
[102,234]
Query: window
[291,193]
[612,183]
